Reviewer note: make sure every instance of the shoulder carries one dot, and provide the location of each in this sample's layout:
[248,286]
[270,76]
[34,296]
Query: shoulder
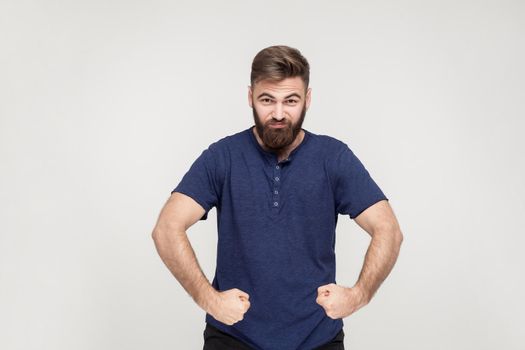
[330,146]
[225,143]
[221,150]
[338,158]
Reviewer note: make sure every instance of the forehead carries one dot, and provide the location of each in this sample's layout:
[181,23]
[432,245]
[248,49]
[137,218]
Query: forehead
[278,88]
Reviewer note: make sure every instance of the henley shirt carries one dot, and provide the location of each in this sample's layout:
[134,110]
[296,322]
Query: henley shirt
[276,226]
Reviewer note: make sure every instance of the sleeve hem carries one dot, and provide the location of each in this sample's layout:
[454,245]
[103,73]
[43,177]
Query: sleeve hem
[368,205]
[199,201]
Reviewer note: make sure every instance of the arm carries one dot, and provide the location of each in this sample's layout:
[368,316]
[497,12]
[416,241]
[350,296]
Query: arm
[178,214]
[380,222]
[171,241]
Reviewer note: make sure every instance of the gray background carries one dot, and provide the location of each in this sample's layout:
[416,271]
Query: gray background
[105,104]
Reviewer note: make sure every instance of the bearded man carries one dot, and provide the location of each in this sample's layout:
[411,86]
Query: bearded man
[278,190]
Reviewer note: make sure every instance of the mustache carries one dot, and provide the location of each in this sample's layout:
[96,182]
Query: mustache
[282,122]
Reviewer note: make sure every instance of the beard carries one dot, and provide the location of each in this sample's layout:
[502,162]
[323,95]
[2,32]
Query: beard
[277,139]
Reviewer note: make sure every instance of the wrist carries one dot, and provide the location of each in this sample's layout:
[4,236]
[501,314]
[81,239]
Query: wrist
[207,298]
[363,293]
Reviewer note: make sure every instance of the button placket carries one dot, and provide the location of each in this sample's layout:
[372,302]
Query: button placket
[276,186]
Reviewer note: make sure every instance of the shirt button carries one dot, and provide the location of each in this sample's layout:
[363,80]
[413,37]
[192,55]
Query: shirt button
[275,204]
[275,192]
[277,178]
[276,167]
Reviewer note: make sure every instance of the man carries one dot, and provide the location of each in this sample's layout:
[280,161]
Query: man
[278,190]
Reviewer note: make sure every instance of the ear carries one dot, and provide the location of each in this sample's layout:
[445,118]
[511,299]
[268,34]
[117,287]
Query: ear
[250,95]
[308,98]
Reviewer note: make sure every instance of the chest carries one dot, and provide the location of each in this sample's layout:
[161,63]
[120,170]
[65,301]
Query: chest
[300,187]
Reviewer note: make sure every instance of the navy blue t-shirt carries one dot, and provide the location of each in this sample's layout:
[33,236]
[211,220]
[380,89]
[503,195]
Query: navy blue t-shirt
[276,230]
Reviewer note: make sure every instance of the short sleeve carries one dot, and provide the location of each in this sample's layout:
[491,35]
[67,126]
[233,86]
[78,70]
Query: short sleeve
[201,182]
[354,188]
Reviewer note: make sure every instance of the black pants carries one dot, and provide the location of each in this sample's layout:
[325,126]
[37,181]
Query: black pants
[215,339]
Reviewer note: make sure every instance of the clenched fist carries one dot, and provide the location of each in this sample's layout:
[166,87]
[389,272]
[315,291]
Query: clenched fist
[229,306]
[338,301]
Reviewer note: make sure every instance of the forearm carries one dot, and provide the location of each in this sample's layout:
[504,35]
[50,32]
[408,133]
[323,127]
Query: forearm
[177,254]
[380,258]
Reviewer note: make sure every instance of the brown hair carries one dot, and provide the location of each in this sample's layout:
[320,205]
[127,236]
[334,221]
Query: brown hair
[279,62]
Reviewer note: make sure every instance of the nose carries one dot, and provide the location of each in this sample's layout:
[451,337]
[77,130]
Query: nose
[278,113]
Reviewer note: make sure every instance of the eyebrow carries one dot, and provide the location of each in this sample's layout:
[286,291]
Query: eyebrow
[291,95]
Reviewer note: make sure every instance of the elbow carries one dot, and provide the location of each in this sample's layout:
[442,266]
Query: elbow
[392,234]
[161,233]
[399,237]
[155,234]
[158,233]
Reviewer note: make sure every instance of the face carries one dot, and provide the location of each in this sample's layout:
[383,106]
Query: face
[279,109]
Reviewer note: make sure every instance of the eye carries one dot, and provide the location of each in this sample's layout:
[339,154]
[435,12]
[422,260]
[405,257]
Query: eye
[266,100]
[292,101]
